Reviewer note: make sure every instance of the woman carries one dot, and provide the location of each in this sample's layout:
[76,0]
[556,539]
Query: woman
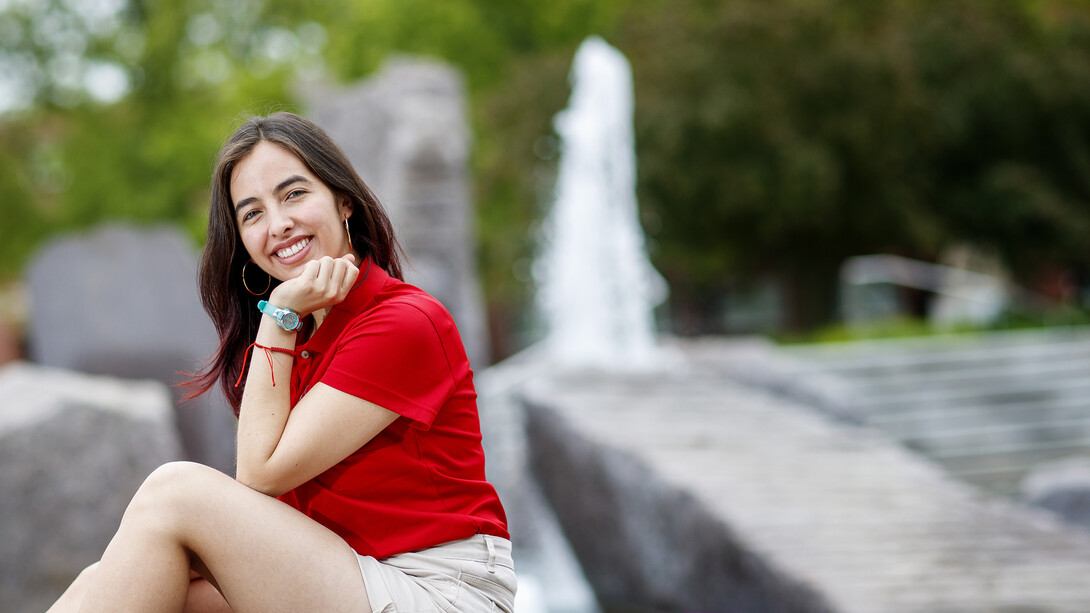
[360,477]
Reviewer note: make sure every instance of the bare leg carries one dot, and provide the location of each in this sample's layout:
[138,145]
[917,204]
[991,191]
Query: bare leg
[71,599]
[203,597]
[263,555]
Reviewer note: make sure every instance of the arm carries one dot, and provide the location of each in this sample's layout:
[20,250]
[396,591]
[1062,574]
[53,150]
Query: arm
[280,448]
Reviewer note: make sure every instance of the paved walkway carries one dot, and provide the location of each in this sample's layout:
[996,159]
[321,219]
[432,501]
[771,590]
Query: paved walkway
[837,513]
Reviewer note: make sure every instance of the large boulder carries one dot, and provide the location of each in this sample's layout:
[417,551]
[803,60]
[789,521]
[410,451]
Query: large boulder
[121,300]
[405,130]
[73,450]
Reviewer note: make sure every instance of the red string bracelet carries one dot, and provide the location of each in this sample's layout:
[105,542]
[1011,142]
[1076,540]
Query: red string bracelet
[268,355]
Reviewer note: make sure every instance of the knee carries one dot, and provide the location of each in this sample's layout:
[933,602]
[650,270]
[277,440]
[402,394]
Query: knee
[85,575]
[79,586]
[167,491]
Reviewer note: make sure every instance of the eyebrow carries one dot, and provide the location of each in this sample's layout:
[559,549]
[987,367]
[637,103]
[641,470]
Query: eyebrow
[279,188]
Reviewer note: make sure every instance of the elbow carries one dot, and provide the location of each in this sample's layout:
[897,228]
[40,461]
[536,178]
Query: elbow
[263,483]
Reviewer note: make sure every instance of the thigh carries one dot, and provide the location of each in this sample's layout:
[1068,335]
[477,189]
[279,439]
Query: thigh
[263,555]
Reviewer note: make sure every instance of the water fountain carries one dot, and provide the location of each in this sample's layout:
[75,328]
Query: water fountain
[728,484]
[596,286]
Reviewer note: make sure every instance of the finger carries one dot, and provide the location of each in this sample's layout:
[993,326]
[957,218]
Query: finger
[335,276]
[350,275]
[327,267]
[350,258]
[347,273]
[311,270]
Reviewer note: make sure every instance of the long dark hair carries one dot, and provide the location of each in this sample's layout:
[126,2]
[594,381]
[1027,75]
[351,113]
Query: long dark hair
[231,306]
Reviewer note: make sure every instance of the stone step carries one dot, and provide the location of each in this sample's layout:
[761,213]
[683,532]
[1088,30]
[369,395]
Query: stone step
[972,375]
[1001,474]
[936,436]
[966,413]
[1000,436]
[998,392]
[955,347]
[987,408]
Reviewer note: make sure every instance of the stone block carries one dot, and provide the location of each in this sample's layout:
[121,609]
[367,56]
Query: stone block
[686,490]
[121,300]
[644,543]
[405,131]
[73,450]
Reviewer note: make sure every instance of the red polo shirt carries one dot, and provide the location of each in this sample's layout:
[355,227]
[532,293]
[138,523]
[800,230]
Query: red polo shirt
[421,481]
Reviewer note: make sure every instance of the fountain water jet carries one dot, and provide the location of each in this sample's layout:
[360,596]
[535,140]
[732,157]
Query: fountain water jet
[596,286]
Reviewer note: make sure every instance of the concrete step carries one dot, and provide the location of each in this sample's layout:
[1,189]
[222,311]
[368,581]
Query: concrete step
[1001,474]
[988,408]
[941,365]
[961,424]
[1005,436]
[1031,367]
[998,392]
[968,412]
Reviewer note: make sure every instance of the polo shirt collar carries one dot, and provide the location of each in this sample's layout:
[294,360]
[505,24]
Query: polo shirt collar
[370,282]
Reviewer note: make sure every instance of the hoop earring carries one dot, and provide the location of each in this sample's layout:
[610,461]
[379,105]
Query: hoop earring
[348,233]
[262,292]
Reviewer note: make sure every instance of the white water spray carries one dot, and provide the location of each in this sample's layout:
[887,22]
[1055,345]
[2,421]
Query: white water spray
[596,286]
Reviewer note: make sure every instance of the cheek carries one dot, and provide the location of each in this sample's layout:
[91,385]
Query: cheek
[252,242]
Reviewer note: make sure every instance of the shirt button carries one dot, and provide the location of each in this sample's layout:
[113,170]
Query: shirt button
[305,355]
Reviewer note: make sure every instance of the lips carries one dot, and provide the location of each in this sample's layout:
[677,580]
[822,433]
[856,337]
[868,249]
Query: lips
[292,248]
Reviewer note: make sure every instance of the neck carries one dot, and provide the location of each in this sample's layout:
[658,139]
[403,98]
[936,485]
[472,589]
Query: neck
[319,316]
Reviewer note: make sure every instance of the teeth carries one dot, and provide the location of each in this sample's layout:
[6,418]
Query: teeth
[287,252]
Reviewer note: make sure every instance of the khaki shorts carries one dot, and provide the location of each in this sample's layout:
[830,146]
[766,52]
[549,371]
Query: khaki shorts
[475,574]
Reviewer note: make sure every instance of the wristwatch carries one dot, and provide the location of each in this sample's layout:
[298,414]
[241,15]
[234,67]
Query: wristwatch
[285,318]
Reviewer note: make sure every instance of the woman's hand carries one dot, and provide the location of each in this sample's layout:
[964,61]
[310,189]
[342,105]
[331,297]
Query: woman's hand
[322,284]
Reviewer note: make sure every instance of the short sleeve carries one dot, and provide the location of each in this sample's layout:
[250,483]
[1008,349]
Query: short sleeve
[393,356]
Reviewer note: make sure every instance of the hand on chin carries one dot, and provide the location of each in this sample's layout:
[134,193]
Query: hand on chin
[320,284]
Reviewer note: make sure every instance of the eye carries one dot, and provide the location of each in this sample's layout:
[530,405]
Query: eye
[295,193]
[248,215]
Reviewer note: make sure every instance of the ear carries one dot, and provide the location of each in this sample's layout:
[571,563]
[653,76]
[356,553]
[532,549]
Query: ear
[344,204]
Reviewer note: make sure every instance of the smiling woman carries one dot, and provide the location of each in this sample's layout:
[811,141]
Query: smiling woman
[285,215]
[360,482]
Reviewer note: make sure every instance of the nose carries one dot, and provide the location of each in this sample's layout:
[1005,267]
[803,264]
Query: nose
[280,222]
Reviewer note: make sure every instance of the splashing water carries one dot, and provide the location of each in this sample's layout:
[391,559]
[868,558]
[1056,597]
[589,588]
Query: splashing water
[596,286]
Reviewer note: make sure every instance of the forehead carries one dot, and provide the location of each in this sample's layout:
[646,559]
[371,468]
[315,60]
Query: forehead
[261,170]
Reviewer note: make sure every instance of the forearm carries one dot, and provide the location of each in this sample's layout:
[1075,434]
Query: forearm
[265,407]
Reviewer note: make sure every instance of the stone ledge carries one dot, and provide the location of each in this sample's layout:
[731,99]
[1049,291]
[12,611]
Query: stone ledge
[687,491]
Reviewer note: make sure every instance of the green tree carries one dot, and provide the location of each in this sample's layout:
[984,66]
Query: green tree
[779,138]
[775,137]
[185,71]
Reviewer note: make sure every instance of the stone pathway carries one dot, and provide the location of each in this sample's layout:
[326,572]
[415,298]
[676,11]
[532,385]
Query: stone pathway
[824,516]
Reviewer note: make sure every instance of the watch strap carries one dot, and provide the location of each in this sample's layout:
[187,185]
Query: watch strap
[278,314]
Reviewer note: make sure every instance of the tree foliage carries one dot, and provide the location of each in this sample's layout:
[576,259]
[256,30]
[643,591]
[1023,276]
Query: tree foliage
[782,137]
[775,137]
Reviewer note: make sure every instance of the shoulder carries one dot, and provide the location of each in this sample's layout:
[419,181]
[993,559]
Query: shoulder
[405,331]
[406,310]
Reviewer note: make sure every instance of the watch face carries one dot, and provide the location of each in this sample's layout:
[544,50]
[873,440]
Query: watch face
[289,321]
